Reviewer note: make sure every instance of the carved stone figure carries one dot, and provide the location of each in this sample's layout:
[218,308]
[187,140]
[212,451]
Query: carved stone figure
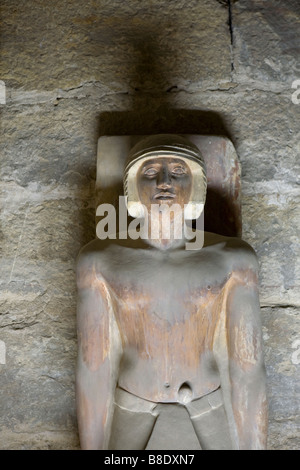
[162,328]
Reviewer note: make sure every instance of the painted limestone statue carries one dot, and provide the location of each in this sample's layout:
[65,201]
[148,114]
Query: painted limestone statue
[161,325]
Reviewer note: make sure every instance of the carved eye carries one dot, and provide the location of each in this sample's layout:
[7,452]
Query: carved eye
[151,171]
[179,170]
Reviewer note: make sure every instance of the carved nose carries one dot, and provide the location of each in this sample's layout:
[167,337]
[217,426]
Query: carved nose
[163,179]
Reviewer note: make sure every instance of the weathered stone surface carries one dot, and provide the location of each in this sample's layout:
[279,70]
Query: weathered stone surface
[121,45]
[38,322]
[266,41]
[75,72]
[282,352]
[45,144]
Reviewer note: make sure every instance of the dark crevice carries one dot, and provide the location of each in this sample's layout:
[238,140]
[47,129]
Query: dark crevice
[228,4]
[172,88]
[230,24]
[230,21]
[223,2]
[280,306]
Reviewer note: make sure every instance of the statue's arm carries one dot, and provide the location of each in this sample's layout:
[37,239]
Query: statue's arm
[99,353]
[245,363]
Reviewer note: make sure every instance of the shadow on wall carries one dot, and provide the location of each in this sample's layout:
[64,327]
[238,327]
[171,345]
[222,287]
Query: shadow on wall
[158,117]
[220,212]
[153,111]
[151,83]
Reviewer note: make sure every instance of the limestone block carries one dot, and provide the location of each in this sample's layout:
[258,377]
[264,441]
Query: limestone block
[137,44]
[37,400]
[47,144]
[282,355]
[38,322]
[268,228]
[266,40]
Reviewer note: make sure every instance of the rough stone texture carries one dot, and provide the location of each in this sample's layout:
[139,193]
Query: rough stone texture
[119,44]
[74,72]
[266,41]
[282,353]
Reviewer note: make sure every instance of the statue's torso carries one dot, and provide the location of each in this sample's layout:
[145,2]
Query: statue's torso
[167,308]
[167,334]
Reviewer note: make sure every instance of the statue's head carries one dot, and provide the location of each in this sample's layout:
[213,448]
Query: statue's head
[165,169]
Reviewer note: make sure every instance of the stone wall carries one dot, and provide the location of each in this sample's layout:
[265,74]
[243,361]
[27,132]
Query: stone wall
[74,71]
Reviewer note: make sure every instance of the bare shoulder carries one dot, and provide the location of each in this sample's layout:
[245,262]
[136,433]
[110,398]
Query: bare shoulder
[92,248]
[88,262]
[86,256]
[101,258]
[237,253]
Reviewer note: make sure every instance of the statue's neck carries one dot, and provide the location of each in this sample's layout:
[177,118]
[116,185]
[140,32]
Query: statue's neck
[164,235]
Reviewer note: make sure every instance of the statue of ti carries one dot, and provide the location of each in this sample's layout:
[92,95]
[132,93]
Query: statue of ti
[161,325]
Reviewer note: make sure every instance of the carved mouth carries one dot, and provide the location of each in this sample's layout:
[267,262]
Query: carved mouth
[164,196]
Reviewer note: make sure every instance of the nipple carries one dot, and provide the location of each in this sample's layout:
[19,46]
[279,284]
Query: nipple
[185,393]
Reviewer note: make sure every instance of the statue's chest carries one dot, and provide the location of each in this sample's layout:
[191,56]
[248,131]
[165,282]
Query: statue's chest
[164,292]
[158,322]
[165,301]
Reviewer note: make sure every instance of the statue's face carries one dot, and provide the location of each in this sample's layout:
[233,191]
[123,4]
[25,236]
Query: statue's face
[166,180]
